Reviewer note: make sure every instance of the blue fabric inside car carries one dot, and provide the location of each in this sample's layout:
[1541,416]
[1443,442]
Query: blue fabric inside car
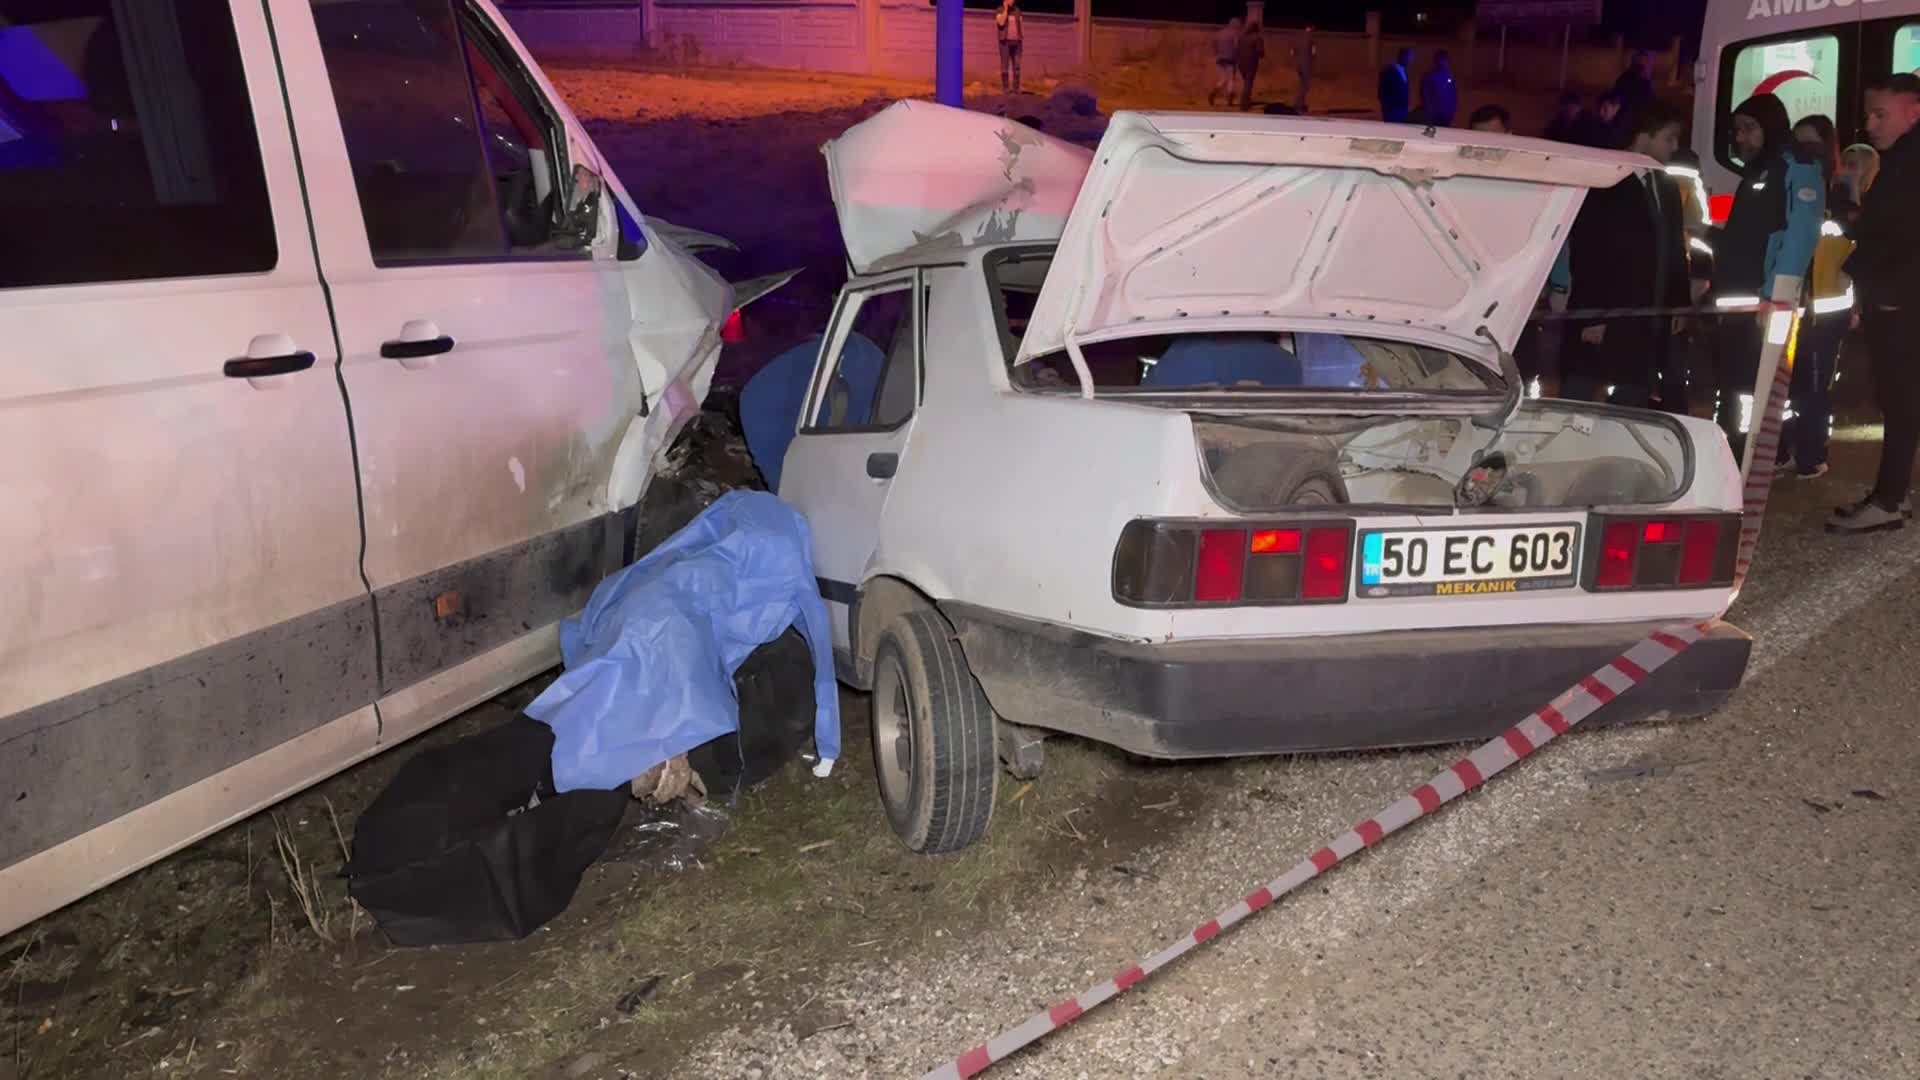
[1330,360]
[771,401]
[1224,360]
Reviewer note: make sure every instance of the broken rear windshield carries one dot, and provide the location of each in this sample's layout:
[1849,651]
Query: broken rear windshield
[1212,361]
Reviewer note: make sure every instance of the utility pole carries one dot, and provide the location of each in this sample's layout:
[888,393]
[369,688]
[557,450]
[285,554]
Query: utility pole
[949,53]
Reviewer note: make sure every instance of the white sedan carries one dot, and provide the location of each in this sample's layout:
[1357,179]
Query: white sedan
[1210,443]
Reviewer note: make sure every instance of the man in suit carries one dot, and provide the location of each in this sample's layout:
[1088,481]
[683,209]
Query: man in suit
[1628,248]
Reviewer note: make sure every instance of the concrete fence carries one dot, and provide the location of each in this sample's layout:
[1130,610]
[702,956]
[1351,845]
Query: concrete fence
[896,38]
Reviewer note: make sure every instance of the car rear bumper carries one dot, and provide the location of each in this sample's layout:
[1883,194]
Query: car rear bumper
[1407,688]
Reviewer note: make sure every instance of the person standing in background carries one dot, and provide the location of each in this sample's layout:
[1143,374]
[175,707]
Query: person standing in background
[1634,88]
[1565,125]
[1763,250]
[1823,321]
[1253,49]
[1303,57]
[1885,267]
[1009,24]
[1494,119]
[1438,94]
[1396,88]
[1628,249]
[1600,127]
[1226,55]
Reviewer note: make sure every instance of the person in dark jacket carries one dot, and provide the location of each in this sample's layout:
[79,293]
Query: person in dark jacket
[1763,251]
[1438,94]
[1396,89]
[1253,49]
[1628,248]
[1565,125]
[1823,320]
[1600,126]
[1491,118]
[1634,88]
[1885,268]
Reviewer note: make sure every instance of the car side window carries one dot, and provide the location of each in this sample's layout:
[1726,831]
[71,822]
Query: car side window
[127,145]
[455,156]
[872,382]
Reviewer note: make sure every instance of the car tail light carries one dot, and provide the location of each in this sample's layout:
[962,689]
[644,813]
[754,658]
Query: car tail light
[1325,575]
[1200,564]
[1687,551]
[1223,563]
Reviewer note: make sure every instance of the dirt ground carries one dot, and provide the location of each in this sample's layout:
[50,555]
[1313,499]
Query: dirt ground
[210,964]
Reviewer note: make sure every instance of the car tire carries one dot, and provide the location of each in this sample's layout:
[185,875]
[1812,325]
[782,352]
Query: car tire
[933,737]
[1265,478]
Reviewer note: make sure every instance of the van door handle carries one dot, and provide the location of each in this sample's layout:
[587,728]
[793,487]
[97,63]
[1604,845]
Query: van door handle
[255,367]
[419,341]
[267,355]
[883,466]
[413,350]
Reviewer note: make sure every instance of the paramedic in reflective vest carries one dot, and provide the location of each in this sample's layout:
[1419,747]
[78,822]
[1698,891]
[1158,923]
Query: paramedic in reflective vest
[1885,268]
[1823,319]
[1762,251]
[1013,33]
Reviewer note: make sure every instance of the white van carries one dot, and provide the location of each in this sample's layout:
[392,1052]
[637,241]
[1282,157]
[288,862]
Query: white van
[1815,55]
[336,361]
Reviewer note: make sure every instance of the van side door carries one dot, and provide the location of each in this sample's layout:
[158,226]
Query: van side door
[487,359]
[179,535]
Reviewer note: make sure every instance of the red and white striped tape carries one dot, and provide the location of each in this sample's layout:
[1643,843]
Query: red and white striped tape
[1540,727]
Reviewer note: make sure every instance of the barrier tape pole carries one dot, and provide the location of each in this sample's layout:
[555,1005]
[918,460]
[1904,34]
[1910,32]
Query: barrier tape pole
[1540,727]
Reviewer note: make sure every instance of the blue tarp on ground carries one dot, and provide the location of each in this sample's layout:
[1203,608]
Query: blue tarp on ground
[650,662]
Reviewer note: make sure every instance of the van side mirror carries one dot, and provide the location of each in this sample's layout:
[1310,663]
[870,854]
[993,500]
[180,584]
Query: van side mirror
[580,210]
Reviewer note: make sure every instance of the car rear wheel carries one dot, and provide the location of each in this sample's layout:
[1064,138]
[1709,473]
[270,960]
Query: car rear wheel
[933,737]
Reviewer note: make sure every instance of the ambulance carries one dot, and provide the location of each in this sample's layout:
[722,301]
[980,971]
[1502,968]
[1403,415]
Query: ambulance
[1815,55]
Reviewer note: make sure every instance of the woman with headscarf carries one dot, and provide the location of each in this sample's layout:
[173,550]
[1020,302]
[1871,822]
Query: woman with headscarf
[1823,321]
[1764,249]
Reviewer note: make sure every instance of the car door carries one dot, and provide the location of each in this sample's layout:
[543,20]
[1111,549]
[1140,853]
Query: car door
[486,352]
[184,635]
[853,431]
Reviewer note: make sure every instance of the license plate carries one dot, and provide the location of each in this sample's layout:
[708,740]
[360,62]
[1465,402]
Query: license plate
[1468,562]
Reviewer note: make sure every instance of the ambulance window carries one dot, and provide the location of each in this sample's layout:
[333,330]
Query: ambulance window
[1906,49]
[1804,73]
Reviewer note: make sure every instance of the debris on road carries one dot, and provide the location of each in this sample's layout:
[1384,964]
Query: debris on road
[631,1001]
[1645,770]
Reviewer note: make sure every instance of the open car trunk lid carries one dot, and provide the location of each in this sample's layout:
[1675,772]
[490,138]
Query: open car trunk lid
[1203,222]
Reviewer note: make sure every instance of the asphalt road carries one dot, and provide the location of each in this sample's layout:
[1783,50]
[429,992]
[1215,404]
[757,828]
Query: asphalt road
[1747,909]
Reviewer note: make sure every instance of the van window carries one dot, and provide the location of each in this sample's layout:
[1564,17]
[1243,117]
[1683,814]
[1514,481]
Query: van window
[1804,73]
[112,171]
[399,74]
[523,143]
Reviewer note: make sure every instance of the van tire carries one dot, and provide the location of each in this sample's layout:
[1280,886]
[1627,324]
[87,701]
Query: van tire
[934,753]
